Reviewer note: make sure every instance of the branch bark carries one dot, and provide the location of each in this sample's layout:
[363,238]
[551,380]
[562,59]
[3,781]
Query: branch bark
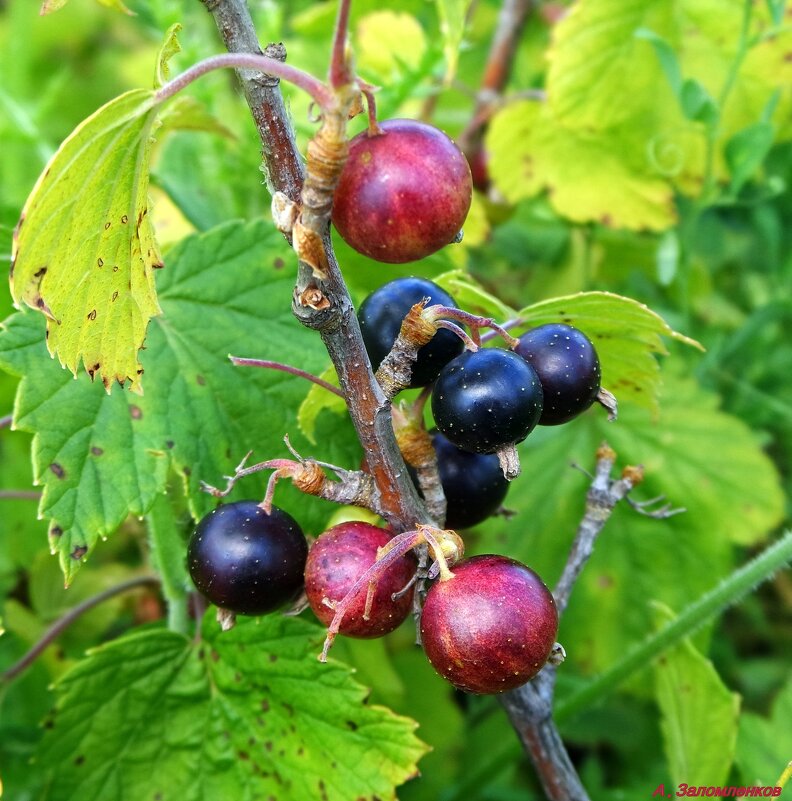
[511,22]
[323,304]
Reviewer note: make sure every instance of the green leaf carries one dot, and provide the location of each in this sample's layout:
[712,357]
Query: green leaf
[101,457]
[244,714]
[667,57]
[170,48]
[318,399]
[626,334]
[699,715]
[697,103]
[452,15]
[472,297]
[84,250]
[746,151]
[588,174]
[764,745]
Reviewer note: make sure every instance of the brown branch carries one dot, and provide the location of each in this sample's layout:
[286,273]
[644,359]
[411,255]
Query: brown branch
[530,707]
[6,420]
[20,495]
[69,617]
[324,304]
[511,22]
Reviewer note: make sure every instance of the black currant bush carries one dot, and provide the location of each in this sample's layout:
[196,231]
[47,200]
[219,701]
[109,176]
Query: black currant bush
[141,254]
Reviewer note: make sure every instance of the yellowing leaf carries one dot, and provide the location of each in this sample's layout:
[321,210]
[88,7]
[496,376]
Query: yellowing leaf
[380,38]
[600,74]
[84,251]
[625,333]
[50,6]
[589,175]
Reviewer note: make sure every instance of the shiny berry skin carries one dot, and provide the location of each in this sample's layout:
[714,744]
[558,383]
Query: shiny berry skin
[244,560]
[490,628]
[381,315]
[403,194]
[335,562]
[486,399]
[473,483]
[568,367]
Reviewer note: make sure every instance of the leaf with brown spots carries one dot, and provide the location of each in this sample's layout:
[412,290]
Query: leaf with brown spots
[84,253]
[200,721]
[221,294]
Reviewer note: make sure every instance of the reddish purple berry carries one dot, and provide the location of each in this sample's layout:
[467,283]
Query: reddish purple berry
[335,562]
[490,628]
[403,194]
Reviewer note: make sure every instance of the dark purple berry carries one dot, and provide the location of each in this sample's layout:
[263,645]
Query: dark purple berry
[473,483]
[381,315]
[486,399]
[245,560]
[568,367]
[491,627]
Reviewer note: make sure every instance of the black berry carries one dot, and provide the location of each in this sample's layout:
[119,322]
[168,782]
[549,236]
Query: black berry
[244,560]
[381,315]
[473,483]
[568,367]
[486,399]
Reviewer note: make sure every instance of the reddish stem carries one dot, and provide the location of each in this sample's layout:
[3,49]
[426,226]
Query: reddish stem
[6,420]
[323,96]
[238,361]
[473,321]
[340,73]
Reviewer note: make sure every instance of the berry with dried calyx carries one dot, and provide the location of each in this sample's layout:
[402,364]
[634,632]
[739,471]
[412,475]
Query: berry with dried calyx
[487,399]
[404,192]
[381,315]
[337,560]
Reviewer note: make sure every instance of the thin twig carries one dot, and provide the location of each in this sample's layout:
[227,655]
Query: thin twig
[511,21]
[6,420]
[602,496]
[249,61]
[69,617]
[20,495]
[238,361]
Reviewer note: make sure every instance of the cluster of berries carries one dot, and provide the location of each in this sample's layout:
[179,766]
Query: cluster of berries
[493,625]
[487,623]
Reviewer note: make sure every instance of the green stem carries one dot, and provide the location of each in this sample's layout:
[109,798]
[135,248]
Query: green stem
[728,592]
[168,554]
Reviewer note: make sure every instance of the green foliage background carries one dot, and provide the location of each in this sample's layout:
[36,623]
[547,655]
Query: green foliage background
[656,168]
